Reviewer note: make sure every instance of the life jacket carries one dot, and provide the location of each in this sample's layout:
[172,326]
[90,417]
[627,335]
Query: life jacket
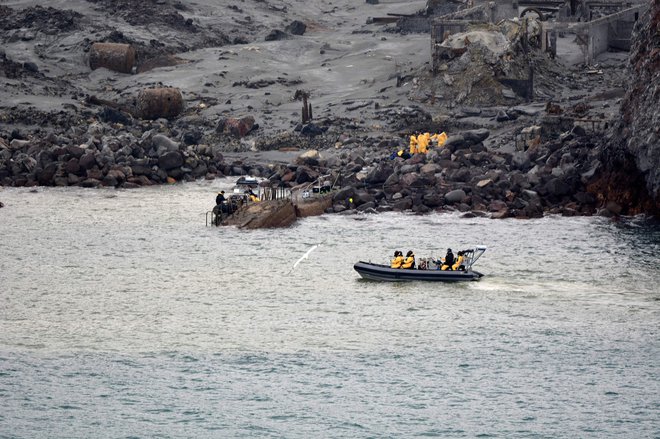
[409,263]
[396,262]
[459,261]
[254,198]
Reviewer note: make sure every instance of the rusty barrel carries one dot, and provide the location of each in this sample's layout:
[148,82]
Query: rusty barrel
[113,56]
[154,103]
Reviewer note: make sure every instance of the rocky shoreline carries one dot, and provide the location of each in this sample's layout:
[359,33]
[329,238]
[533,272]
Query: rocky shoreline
[462,175]
[494,162]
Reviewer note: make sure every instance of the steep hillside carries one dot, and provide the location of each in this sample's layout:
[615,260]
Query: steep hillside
[632,155]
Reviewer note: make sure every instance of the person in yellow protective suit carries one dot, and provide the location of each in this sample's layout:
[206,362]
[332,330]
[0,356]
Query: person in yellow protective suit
[448,262]
[410,260]
[440,139]
[423,141]
[398,259]
[253,197]
[458,265]
[413,144]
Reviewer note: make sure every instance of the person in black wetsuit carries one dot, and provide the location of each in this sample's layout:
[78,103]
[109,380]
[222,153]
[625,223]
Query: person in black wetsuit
[449,260]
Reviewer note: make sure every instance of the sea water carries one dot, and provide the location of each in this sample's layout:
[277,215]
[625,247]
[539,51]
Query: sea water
[123,315]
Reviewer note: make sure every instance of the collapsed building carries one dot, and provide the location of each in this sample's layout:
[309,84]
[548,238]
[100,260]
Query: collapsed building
[481,44]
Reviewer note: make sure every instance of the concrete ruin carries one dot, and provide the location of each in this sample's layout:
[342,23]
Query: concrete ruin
[598,25]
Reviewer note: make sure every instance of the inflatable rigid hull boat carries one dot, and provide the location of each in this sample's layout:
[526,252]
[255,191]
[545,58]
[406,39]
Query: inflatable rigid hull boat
[384,273]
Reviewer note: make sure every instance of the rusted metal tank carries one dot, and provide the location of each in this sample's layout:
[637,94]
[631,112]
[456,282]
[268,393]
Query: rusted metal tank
[113,56]
[154,103]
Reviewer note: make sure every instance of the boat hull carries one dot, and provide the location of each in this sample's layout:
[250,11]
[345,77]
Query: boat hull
[384,273]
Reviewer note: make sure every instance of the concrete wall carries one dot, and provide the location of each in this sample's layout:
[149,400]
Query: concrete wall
[597,36]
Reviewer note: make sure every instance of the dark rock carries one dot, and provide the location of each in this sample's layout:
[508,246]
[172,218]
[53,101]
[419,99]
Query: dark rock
[45,176]
[90,182]
[192,137]
[578,131]
[379,174]
[112,115]
[502,116]
[475,136]
[614,207]
[497,206]
[305,174]
[455,196]
[87,161]
[72,166]
[30,67]
[433,200]
[164,144]
[276,35]
[236,127]
[296,27]
[312,130]
[557,187]
[504,213]
[520,160]
[402,204]
[455,142]
[368,206]
[170,160]
[585,198]
[75,151]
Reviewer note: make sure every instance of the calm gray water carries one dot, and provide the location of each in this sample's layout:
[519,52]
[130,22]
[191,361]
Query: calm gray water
[122,315]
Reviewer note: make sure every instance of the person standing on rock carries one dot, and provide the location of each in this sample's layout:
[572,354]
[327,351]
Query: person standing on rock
[220,198]
[423,141]
[439,139]
[413,144]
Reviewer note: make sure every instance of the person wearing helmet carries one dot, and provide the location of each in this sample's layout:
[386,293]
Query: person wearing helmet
[448,262]
[398,259]
[409,261]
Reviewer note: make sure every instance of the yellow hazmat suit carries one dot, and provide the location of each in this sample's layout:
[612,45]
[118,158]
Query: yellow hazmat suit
[440,138]
[413,144]
[423,143]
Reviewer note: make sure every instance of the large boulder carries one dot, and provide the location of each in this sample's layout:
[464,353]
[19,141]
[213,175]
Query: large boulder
[455,196]
[379,174]
[163,144]
[170,160]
